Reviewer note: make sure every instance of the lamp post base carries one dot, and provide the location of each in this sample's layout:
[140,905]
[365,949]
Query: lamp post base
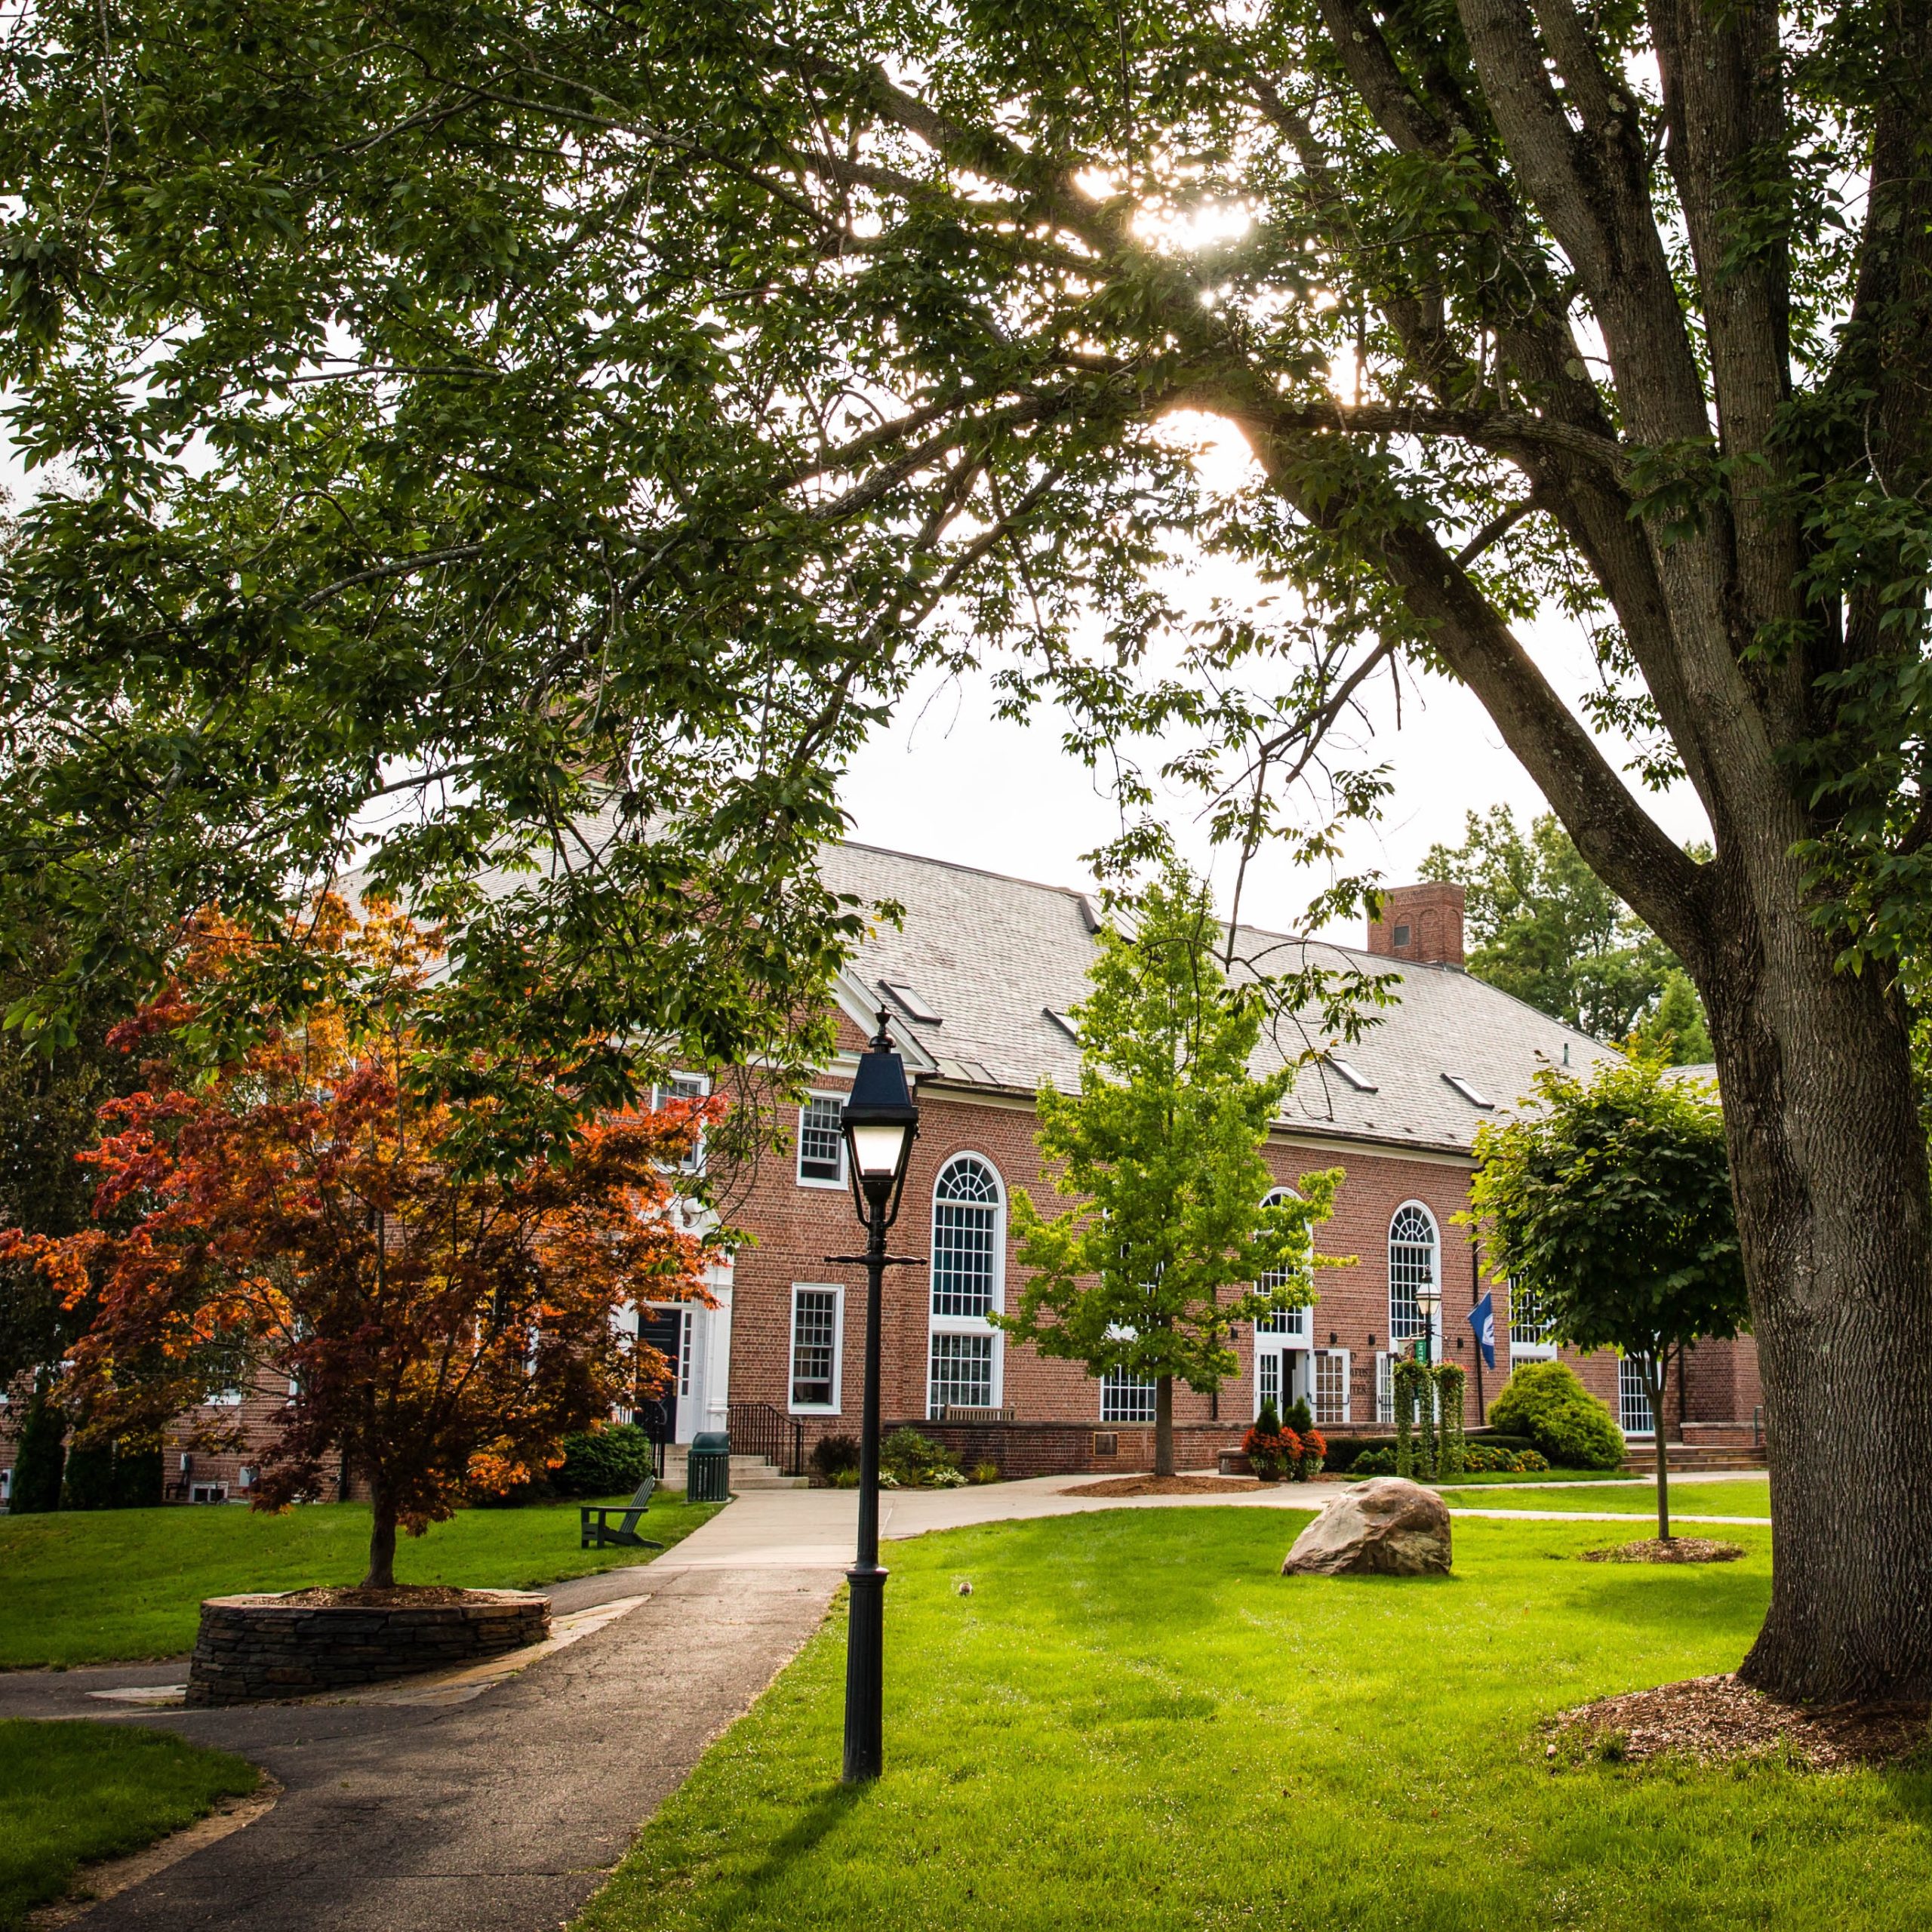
[865,1673]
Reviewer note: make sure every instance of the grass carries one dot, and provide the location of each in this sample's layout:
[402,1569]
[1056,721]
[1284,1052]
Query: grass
[98,1586]
[1687,1498]
[1503,1478]
[1134,1723]
[73,1792]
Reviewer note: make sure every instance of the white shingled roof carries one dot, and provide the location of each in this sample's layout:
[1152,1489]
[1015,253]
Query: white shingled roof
[995,957]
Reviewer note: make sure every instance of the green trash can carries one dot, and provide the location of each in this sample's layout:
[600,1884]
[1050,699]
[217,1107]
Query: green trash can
[708,1468]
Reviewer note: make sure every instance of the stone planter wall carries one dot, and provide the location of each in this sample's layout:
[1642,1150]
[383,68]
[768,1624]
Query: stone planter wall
[254,1649]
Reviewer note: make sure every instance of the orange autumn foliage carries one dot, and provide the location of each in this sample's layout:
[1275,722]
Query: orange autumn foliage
[291,1223]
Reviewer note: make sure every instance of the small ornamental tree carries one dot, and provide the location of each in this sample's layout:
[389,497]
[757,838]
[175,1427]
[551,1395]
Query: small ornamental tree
[1160,1151]
[1612,1204]
[299,1224]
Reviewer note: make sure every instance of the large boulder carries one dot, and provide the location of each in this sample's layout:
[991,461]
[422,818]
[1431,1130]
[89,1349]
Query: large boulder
[1388,1527]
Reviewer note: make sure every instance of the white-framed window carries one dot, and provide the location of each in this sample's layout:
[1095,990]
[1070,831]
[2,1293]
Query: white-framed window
[967,1284]
[1633,1400]
[1126,1397]
[960,1373]
[1385,1388]
[1289,1322]
[967,1208]
[1328,1386]
[1529,1327]
[821,1141]
[684,1086]
[818,1330]
[1414,1259]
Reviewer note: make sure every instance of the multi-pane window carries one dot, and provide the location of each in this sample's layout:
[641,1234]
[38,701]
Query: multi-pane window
[821,1145]
[1529,1326]
[1329,1387]
[1411,1267]
[684,1086]
[1126,1397]
[1282,1321]
[1385,1388]
[965,1238]
[815,1327]
[962,1372]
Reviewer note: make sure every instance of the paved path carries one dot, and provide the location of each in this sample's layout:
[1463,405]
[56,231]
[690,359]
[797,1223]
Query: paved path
[499,1803]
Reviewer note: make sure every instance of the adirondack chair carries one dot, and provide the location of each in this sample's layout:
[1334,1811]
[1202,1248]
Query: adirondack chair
[596,1532]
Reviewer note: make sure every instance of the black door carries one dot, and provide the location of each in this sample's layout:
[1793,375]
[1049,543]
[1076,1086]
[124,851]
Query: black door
[663,1329]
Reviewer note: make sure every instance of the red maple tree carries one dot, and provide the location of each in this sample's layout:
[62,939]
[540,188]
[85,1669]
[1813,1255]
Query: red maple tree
[296,1222]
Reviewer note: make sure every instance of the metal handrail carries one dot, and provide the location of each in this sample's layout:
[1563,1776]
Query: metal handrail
[758,1429]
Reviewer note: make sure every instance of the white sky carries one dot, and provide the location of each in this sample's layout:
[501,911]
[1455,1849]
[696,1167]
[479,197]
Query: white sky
[947,780]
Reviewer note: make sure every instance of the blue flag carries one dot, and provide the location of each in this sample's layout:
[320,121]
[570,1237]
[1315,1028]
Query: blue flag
[1482,1319]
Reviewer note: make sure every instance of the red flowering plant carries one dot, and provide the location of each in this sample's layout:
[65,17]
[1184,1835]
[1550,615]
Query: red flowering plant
[1272,1451]
[297,1221]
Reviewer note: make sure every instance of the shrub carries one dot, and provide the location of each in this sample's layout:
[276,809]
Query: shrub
[1273,1452]
[1300,1417]
[1529,1463]
[832,1456]
[1378,1462]
[1314,1451]
[1344,1449]
[605,1462]
[914,1461]
[982,1473]
[1544,1401]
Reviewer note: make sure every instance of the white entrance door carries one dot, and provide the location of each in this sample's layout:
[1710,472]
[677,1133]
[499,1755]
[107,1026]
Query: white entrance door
[1281,1359]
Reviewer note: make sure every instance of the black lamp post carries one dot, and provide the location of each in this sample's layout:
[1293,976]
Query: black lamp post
[1429,1299]
[879,1123]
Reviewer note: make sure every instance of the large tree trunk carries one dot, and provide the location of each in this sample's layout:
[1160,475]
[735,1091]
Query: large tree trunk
[1163,1426]
[1828,1164]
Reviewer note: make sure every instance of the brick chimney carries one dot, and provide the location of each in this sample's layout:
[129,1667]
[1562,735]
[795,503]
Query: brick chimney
[1424,923]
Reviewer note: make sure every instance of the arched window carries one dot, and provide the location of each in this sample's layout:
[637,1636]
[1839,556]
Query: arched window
[1412,1251]
[968,1245]
[966,1206]
[1287,1320]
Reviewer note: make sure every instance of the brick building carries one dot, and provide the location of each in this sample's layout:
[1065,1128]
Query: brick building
[977,983]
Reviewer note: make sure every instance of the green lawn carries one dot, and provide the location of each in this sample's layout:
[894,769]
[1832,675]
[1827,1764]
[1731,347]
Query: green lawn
[1695,1499]
[1134,1723]
[93,1587]
[71,1792]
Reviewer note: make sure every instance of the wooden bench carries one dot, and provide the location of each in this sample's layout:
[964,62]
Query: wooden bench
[595,1531]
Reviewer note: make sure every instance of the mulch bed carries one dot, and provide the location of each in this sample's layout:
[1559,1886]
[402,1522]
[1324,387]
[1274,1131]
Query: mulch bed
[1712,1719]
[1164,1486]
[1676,1549]
[402,1596]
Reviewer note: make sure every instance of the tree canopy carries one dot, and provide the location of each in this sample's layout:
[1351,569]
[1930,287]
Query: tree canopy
[1178,1231]
[1610,1206]
[1545,928]
[297,1222]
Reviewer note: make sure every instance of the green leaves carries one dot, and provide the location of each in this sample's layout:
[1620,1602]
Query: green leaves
[1612,1205]
[1170,1243]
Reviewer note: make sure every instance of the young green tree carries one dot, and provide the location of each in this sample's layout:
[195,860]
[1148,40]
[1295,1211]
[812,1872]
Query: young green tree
[1545,928]
[1161,1150]
[1673,1030]
[1613,1203]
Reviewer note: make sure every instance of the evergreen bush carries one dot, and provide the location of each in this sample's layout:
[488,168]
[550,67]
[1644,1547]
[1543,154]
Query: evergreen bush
[605,1462]
[1545,1402]
[39,1459]
[832,1455]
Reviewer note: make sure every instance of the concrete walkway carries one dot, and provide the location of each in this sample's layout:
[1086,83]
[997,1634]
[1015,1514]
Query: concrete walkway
[499,1801]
